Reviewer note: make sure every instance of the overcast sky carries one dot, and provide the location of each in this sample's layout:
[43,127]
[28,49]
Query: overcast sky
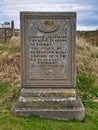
[87,10]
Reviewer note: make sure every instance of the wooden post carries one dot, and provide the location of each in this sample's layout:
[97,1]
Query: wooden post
[12,28]
[5,35]
[96,37]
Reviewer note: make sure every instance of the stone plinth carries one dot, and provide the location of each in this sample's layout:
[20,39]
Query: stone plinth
[54,104]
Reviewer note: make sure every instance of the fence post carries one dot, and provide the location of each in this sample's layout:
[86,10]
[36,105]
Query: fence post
[12,28]
[5,35]
[96,37]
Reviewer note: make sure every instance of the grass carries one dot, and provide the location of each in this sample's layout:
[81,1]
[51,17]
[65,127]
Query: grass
[11,46]
[87,85]
[86,57]
[10,122]
[35,123]
[89,36]
[9,94]
[10,61]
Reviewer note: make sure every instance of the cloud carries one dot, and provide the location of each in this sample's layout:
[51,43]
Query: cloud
[86,28]
[25,2]
[11,10]
[87,10]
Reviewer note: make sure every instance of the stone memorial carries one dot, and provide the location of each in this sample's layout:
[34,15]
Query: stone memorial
[48,86]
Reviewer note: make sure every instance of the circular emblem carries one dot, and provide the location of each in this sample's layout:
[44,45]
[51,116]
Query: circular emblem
[48,26]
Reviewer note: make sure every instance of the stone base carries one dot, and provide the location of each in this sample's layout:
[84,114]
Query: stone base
[55,104]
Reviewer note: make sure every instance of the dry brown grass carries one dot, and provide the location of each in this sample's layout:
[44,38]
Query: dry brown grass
[9,68]
[86,60]
[10,63]
[14,42]
[87,57]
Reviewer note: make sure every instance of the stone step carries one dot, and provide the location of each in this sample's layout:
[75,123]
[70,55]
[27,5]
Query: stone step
[62,110]
[41,99]
[48,93]
[47,104]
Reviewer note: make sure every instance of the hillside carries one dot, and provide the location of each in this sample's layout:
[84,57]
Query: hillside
[87,87]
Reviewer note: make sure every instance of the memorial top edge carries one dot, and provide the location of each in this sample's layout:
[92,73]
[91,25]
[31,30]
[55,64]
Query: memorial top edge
[33,13]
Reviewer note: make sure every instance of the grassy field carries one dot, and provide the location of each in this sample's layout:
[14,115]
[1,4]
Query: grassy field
[87,89]
[9,93]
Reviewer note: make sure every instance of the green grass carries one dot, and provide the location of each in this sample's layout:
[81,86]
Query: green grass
[10,50]
[7,46]
[14,50]
[11,122]
[35,123]
[86,87]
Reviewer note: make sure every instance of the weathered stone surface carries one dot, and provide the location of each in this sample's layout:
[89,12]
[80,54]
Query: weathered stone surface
[48,67]
[48,93]
[61,110]
[48,49]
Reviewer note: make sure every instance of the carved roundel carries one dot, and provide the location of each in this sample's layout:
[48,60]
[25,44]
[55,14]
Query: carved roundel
[48,26]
